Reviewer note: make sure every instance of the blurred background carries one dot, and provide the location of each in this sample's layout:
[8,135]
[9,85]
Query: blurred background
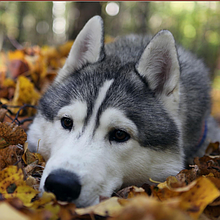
[195,25]
[33,35]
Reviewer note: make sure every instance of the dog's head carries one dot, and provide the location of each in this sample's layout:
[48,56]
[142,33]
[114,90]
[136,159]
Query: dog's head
[109,119]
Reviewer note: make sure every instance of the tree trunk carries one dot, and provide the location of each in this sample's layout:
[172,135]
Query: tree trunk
[86,11]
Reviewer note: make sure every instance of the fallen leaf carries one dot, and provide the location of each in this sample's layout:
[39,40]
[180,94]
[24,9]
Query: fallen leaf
[108,207]
[2,114]
[29,157]
[67,212]
[213,148]
[43,200]
[46,203]
[10,155]
[12,134]
[144,208]
[12,185]
[10,213]
[24,192]
[8,82]
[25,93]
[9,172]
[136,191]
[208,164]
[130,192]
[199,193]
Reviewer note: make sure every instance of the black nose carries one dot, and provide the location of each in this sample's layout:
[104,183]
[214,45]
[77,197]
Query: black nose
[64,184]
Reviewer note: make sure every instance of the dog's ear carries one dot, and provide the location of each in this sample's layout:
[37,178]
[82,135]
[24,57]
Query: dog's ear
[88,47]
[159,66]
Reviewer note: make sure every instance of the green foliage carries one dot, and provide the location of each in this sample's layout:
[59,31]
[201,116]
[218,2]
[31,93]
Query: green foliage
[195,25]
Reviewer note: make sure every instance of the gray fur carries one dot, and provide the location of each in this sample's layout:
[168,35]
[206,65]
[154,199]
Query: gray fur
[132,93]
[149,88]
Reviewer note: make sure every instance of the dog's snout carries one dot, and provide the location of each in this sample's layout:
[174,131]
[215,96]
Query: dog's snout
[64,184]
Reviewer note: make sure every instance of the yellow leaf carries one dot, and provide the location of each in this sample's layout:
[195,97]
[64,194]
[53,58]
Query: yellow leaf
[54,209]
[12,185]
[202,194]
[109,207]
[10,175]
[16,55]
[47,202]
[143,207]
[8,82]
[136,191]
[25,93]
[24,192]
[199,193]
[24,90]
[65,48]
[10,213]
[42,201]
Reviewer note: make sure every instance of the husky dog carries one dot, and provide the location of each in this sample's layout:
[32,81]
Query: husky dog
[119,114]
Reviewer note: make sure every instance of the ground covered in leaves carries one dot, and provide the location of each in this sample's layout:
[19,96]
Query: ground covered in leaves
[24,75]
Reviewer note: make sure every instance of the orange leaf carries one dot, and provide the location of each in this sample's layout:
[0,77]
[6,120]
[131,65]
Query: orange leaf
[143,207]
[199,193]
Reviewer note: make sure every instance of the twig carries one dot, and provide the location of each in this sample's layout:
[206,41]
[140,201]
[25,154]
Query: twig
[21,108]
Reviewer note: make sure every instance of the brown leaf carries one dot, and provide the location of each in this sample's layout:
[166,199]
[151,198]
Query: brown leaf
[10,155]
[2,114]
[188,175]
[29,157]
[130,192]
[67,212]
[208,164]
[17,67]
[144,208]
[12,134]
[213,148]
[213,212]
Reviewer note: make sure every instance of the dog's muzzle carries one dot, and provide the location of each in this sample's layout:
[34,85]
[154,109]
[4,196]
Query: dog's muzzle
[64,184]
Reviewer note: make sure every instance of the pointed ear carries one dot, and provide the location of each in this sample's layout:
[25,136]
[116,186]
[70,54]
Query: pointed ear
[88,47]
[159,64]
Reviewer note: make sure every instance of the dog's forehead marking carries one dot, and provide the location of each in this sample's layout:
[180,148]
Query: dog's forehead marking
[98,102]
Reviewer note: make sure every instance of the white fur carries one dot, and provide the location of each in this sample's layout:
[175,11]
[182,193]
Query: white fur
[150,64]
[77,111]
[105,165]
[101,96]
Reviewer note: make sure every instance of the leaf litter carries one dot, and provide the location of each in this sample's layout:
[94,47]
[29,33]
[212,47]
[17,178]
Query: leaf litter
[193,193]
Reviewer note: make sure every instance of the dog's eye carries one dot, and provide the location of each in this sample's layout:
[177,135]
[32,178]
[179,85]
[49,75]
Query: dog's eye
[67,123]
[119,136]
